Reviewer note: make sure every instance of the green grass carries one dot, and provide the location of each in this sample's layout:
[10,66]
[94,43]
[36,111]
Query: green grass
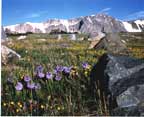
[70,95]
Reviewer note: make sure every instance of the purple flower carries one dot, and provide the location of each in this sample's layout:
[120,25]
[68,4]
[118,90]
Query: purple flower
[30,85]
[27,78]
[58,69]
[85,65]
[67,69]
[49,75]
[41,75]
[37,86]
[19,86]
[58,77]
[39,69]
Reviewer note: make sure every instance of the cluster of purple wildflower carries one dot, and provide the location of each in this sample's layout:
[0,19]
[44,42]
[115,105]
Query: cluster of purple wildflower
[61,69]
[30,85]
[57,75]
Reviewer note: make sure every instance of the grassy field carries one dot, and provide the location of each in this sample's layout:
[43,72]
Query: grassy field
[52,77]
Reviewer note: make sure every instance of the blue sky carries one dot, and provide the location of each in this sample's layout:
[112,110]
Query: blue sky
[20,11]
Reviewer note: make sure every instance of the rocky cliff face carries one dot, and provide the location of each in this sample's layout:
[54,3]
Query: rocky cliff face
[92,25]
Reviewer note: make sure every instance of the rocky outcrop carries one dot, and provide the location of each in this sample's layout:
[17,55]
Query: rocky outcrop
[8,54]
[121,78]
[112,43]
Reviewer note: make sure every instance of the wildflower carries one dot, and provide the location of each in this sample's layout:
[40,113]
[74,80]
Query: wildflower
[86,73]
[49,97]
[12,103]
[41,75]
[85,65]
[4,104]
[58,108]
[17,110]
[39,69]
[30,85]
[26,51]
[27,78]
[22,77]
[67,69]
[49,75]
[18,103]
[37,86]
[19,86]
[20,106]
[58,77]
[42,106]
[58,69]
[75,67]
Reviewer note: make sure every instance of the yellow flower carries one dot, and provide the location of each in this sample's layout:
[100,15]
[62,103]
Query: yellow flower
[89,67]
[42,106]
[17,110]
[21,77]
[75,67]
[86,73]
[20,106]
[49,97]
[12,103]
[4,104]
[72,71]
[58,108]
[18,103]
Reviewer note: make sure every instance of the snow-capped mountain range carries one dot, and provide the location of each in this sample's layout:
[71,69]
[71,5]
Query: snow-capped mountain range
[89,24]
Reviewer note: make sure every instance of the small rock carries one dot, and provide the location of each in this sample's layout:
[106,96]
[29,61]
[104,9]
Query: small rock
[96,40]
[21,37]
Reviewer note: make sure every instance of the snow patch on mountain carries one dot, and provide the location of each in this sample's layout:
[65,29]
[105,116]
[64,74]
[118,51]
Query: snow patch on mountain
[66,24]
[89,19]
[129,26]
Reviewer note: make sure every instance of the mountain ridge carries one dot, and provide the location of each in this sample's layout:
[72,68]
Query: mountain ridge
[91,25]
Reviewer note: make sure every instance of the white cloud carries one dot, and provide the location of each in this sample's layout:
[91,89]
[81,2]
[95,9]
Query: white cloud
[135,15]
[34,15]
[105,10]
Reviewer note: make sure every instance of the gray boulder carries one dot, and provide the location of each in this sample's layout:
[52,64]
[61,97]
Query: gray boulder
[112,43]
[8,54]
[121,78]
[3,35]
